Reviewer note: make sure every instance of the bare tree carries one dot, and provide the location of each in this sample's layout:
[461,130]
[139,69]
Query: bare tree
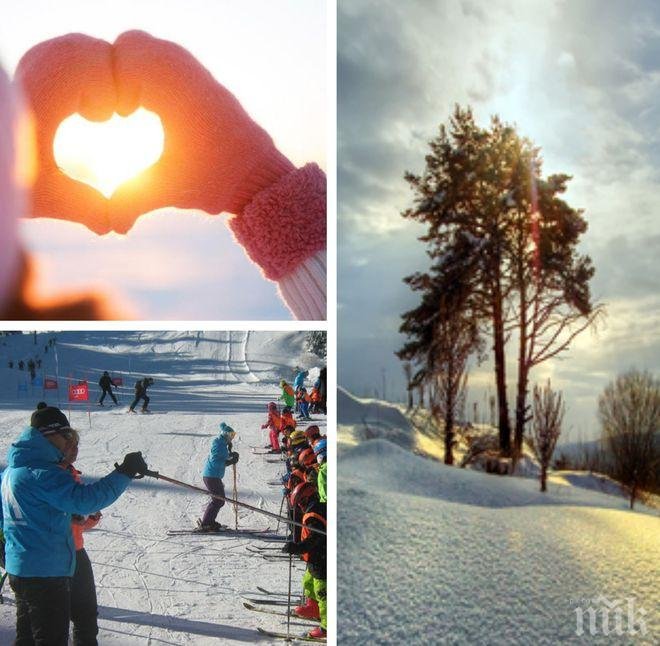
[547,419]
[629,413]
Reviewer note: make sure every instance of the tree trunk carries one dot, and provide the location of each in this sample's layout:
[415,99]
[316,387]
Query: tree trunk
[449,428]
[410,397]
[500,376]
[544,477]
[521,408]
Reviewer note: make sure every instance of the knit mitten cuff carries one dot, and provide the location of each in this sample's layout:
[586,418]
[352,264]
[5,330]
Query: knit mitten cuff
[286,223]
[304,289]
[271,168]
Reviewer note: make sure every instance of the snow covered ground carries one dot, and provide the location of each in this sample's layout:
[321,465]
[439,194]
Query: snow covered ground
[436,554]
[155,589]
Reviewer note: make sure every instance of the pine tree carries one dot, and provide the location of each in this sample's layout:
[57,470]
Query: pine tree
[514,241]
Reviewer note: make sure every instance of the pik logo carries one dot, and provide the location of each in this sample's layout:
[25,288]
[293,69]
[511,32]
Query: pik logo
[610,617]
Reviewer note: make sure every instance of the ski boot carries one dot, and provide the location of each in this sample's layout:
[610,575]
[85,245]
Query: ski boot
[130,410]
[318,633]
[310,610]
[213,526]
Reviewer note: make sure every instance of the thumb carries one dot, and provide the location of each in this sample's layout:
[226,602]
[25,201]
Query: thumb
[58,196]
[141,194]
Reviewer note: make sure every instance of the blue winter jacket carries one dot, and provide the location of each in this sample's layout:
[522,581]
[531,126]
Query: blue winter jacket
[299,381]
[215,463]
[38,498]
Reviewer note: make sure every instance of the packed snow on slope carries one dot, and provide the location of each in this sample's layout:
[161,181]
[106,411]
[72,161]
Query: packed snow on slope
[430,553]
[153,588]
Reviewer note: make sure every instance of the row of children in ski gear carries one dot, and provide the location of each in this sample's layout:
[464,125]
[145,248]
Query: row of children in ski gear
[305,490]
[47,567]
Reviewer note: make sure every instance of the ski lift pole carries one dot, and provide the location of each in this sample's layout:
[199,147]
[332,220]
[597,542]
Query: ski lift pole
[160,476]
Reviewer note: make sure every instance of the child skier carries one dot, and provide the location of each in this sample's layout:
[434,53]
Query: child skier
[141,393]
[287,396]
[84,609]
[287,418]
[312,548]
[274,423]
[303,403]
[220,456]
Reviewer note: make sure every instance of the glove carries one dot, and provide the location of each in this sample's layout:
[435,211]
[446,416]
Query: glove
[290,548]
[233,459]
[59,77]
[133,465]
[215,157]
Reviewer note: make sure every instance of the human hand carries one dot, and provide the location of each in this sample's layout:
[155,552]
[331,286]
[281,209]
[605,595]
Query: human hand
[59,77]
[215,157]
[133,465]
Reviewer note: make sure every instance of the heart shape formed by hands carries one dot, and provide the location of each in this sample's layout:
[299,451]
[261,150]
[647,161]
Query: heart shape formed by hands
[215,157]
[105,155]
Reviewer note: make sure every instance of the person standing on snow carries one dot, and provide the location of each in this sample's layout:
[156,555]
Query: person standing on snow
[287,396]
[312,548]
[84,607]
[220,457]
[38,498]
[105,382]
[274,423]
[141,393]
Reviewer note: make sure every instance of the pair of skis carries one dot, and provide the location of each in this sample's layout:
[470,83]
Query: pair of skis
[278,599]
[267,533]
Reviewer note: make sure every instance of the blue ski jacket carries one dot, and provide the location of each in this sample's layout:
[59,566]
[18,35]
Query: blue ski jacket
[38,498]
[299,381]
[216,462]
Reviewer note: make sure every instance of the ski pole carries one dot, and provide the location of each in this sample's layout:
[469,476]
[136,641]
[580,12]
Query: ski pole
[288,600]
[235,497]
[160,476]
[281,507]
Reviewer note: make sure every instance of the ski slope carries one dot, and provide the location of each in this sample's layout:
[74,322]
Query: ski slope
[442,555]
[151,588]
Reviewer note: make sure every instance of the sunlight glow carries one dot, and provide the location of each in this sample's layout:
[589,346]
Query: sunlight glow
[107,154]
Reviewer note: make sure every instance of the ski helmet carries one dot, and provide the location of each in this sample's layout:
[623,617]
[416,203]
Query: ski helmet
[302,494]
[272,406]
[312,432]
[287,410]
[297,438]
[321,446]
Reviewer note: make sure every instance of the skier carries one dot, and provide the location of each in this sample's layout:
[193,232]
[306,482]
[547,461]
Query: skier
[320,449]
[299,381]
[84,608]
[220,456]
[287,396]
[105,382]
[38,498]
[303,402]
[274,423]
[287,418]
[313,434]
[323,390]
[141,393]
[312,548]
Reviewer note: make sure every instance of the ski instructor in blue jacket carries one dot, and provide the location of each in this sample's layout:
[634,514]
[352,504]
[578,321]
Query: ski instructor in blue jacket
[38,498]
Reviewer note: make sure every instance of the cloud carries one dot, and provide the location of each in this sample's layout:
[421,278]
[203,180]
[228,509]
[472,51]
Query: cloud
[581,79]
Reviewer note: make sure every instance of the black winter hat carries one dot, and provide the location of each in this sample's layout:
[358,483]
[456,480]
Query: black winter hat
[49,420]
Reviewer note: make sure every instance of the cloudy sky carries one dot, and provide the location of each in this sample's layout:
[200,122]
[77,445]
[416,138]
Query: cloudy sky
[174,264]
[582,80]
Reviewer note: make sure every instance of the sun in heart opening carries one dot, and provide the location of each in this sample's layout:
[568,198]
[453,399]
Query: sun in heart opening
[107,154]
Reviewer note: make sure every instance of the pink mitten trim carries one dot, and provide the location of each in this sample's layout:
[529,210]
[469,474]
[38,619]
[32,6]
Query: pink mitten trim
[285,223]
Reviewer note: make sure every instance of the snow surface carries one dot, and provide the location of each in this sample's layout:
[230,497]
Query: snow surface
[151,588]
[434,554]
